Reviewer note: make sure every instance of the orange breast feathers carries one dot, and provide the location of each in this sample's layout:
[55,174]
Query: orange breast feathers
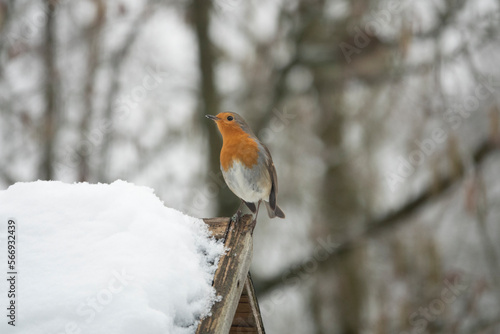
[237,145]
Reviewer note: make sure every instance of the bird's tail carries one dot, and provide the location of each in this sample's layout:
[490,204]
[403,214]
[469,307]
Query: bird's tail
[274,213]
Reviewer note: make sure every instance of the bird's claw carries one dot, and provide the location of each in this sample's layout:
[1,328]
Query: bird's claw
[253,223]
[236,216]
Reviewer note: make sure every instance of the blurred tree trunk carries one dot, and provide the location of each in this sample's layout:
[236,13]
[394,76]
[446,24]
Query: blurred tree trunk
[338,297]
[51,112]
[94,43]
[227,202]
[340,287]
[6,9]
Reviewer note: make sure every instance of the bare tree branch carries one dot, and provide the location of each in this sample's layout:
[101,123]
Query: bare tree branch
[388,221]
[118,60]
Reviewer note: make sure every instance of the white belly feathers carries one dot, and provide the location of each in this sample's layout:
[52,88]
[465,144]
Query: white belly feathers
[244,182]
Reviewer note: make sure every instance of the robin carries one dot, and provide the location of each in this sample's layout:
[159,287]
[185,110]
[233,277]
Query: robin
[246,165]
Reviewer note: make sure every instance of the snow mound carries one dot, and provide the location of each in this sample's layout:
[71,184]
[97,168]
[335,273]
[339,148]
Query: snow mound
[99,258]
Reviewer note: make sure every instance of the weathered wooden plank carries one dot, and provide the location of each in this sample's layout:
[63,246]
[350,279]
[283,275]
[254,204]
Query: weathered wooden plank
[218,226]
[244,314]
[245,321]
[231,275]
[246,330]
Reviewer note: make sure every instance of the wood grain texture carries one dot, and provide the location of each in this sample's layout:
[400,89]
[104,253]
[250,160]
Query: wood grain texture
[218,226]
[247,318]
[231,275]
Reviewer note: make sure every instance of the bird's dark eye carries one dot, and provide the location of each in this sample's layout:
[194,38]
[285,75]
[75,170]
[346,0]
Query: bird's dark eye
[229,118]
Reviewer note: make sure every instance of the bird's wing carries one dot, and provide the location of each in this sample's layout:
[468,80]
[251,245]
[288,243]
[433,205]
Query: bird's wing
[274,178]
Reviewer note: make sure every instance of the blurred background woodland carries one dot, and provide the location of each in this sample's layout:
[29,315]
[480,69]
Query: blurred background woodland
[382,118]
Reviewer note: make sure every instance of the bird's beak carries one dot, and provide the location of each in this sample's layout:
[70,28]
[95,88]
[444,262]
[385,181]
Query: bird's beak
[212,117]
